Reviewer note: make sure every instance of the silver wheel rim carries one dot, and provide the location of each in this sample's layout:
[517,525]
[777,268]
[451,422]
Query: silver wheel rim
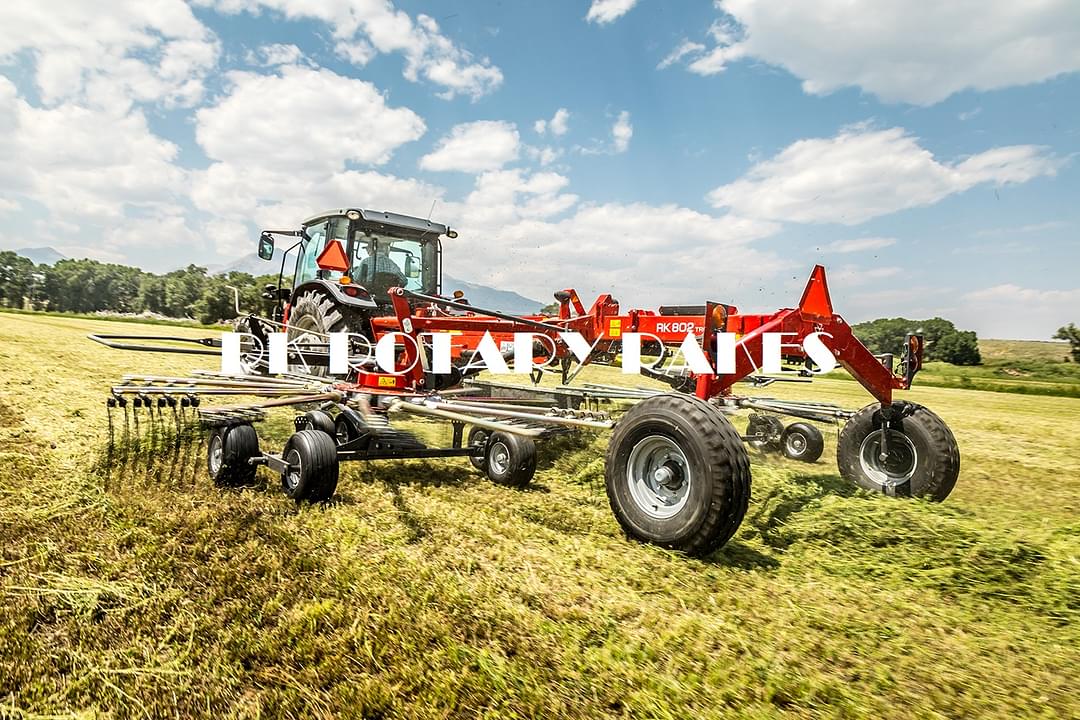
[217,454]
[658,476]
[795,443]
[895,470]
[292,476]
[499,458]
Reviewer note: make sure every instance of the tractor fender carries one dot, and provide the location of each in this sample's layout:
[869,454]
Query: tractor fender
[335,291]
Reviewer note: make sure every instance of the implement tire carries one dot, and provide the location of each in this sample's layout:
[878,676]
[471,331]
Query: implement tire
[803,442]
[313,474]
[228,452]
[677,474]
[924,460]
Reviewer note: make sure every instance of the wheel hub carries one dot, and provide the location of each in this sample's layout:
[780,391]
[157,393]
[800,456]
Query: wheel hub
[499,459]
[217,453]
[658,476]
[896,467]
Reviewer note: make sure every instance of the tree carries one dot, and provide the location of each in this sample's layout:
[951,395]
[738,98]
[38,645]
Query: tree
[16,279]
[1071,333]
[943,341]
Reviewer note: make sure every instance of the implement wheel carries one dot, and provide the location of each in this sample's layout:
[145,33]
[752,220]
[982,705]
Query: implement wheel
[478,436]
[510,459]
[228,452]
[802,441]
[923,458]
[769,427]
[313,466]
[677,474]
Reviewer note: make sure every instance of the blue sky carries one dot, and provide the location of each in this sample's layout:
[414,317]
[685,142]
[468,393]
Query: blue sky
[925,152]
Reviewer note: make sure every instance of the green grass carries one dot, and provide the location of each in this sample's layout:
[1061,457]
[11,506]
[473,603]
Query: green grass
[138,589]
[114,318]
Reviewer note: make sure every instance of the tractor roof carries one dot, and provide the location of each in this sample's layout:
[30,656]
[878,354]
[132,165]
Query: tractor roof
[385,218]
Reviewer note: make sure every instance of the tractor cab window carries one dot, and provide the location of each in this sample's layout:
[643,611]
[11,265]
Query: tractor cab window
[381,262]
[307,267]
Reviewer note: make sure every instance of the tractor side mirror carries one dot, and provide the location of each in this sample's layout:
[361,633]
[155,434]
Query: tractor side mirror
[266,246]
[412,268]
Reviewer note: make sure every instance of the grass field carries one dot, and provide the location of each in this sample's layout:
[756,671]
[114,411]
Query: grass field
[134,588]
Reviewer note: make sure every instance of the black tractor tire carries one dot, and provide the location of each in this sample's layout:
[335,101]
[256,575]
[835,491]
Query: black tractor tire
[924,459]
[510,459]
[677,474]
[770,426]
[803,442]
[319,420]
[315,475]
[228,452]
[478,436]
[316,311]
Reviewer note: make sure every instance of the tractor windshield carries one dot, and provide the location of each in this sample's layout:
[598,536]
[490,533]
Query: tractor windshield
[380,257]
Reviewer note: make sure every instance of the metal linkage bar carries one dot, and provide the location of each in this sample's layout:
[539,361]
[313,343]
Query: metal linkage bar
[465,409]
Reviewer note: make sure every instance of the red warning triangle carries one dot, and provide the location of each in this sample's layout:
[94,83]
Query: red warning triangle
[815,300]
[333,257]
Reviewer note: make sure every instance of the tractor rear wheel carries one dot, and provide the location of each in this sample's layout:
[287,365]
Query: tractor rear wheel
[228,452]
[677,474]
[312,317]
[923,459]
[802,441]
[313,466]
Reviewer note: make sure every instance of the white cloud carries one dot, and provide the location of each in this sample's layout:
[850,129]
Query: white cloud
[914,51]
[543,155]
[621,132]
[683,49]
[603,12]
[9,206]
[111,54]
[275,167]
[362,28]
[557,125]
[1012,311]
[559,122]
[303,121]
[859,244]
[276,54]
[614,247]
[474,147]
[862,173]
[109,160]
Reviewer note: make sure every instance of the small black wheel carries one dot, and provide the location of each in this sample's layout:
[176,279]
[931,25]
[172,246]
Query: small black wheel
[319,420]
[478,436]
[923,458]
[228,452]
[313,466]
[802,441]
[769,427]
[677,474]
[343,430]
[510,459]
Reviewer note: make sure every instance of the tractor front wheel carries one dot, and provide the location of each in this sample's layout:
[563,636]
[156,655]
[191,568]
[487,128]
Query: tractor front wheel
[922,458]
[677,474]
[313,316]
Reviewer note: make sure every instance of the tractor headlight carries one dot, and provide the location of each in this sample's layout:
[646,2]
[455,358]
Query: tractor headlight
[353,214]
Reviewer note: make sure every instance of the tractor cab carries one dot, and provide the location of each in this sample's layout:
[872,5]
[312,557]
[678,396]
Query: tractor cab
[358,255]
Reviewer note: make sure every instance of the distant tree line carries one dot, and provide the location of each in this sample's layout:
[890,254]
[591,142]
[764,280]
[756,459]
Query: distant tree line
[942,340]
[85,286]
